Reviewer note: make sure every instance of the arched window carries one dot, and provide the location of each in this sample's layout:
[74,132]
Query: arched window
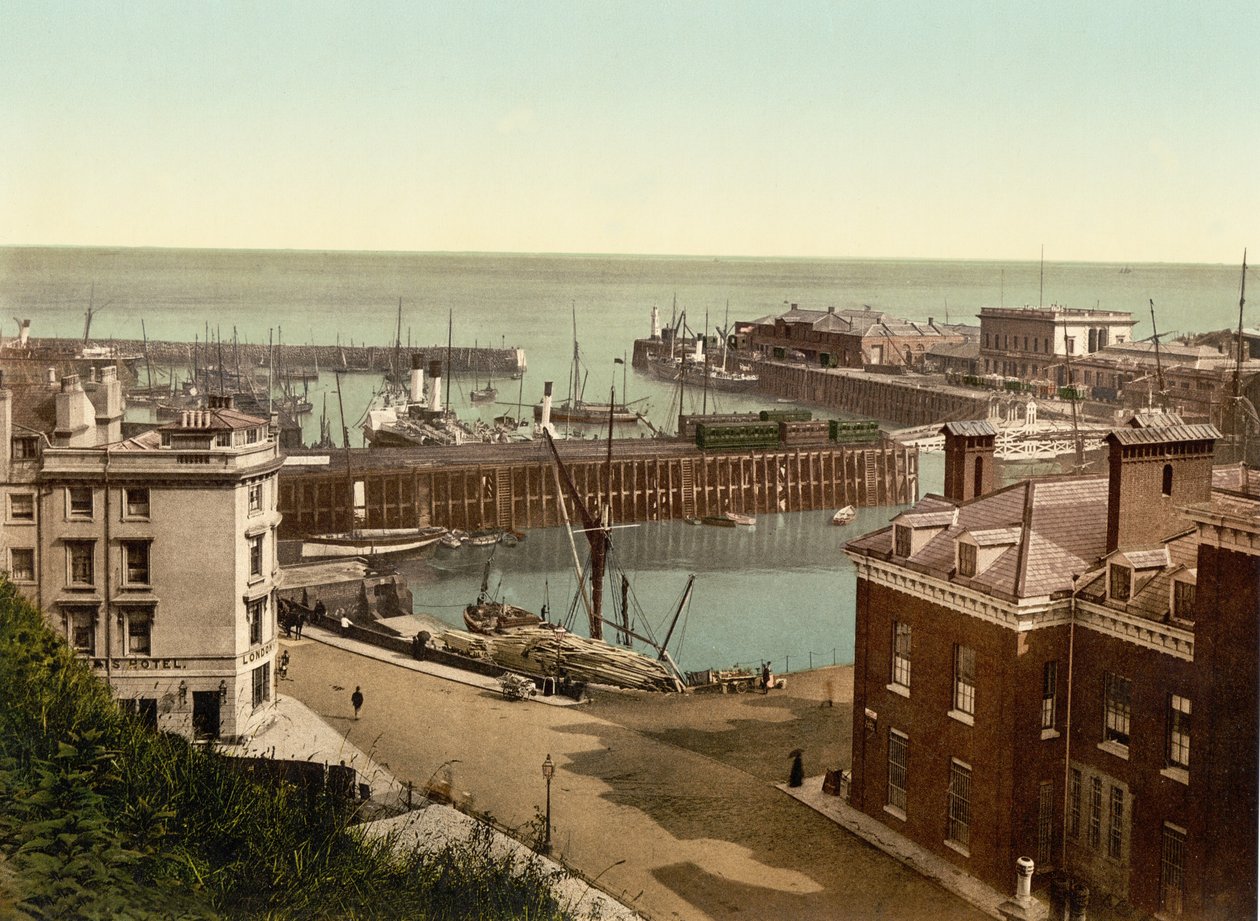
[1167,487]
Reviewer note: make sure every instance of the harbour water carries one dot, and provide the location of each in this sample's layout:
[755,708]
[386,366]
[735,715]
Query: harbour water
[782,591]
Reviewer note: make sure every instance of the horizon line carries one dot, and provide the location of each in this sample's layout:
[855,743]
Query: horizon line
[585,255]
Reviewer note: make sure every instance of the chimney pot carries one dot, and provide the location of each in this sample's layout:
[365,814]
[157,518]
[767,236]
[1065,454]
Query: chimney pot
[1024,868]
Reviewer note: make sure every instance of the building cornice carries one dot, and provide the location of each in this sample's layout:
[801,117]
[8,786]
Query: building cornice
[1030,613]
[1226,532]
[1148,634]
[1020,616]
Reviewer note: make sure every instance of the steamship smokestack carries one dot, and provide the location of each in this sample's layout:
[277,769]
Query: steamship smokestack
[417,377]
[545,422]
[435,387]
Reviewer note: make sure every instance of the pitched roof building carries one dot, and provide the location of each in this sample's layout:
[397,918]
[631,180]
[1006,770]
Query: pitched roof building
[154,555]
[1066,669]
[847,338]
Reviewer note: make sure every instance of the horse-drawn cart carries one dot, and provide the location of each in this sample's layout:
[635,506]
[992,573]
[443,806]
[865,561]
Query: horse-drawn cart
[723,681]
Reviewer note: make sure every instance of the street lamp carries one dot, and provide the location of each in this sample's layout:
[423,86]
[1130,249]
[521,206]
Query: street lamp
[548,770]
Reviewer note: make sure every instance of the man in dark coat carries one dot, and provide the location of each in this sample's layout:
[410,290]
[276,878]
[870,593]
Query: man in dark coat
[356,699]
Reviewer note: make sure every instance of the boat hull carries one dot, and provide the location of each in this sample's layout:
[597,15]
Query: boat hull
[586,414]
[378,542]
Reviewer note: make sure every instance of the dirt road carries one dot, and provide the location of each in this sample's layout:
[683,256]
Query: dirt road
[667,800]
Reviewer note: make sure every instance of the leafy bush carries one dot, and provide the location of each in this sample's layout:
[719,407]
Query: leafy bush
[102,818]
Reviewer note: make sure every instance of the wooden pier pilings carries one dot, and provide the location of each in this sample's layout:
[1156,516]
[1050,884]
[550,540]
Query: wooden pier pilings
[648,483]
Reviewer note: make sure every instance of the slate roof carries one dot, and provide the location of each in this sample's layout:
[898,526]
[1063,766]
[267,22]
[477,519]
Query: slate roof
[973,429]
[1052,524]
[864,322]
[213,420]
[35,408]
[1153,419]
[995,537]
[928,519]
[1163,434]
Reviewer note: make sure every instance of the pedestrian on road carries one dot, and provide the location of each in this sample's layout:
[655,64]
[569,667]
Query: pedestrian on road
[297,624]
[357,700]
[319,611]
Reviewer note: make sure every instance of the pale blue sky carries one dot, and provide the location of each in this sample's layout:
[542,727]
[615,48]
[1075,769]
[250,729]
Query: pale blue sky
[1107,131]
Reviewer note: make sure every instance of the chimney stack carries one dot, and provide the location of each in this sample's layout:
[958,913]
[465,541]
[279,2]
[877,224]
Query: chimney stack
[969,455]
[1154,470]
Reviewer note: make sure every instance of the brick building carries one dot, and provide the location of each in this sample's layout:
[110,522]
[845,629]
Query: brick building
[1066,669]
[155,555]
[846,338]
[1033,343]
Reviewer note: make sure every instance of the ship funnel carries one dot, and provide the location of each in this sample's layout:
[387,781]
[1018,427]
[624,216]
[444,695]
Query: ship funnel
[435,387]
[544,424]
[417,377]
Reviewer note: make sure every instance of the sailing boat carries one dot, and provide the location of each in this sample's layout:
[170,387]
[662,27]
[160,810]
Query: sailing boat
[488,615]
[484,394]
[575,410]
[694,366]
[379,542]
[553,652]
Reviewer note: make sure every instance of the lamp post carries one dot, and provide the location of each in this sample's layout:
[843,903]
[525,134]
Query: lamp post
[548,771]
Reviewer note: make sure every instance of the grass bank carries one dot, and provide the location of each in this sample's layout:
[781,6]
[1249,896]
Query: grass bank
[102,818]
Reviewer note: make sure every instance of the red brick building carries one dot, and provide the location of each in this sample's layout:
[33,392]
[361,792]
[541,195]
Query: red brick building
[847,338]
[1066,669]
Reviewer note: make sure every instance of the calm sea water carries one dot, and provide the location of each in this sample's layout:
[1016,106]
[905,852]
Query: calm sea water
[782,591]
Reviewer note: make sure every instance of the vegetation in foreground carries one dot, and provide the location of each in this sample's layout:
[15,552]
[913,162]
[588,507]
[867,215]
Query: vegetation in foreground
[103,818]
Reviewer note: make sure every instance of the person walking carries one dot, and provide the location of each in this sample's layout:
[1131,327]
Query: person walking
[357,700]
[298,622]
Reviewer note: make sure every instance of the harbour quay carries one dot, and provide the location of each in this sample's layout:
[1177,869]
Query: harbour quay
[516,485]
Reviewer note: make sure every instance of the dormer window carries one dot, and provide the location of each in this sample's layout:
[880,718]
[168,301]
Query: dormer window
[1120,578]
[966,559]
[901,539]
[1183,600]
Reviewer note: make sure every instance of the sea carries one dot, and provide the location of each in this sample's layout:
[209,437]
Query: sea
[782,591]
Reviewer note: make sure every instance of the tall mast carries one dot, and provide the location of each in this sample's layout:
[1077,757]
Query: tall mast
[345,440]
[148,364]
[596,534]
[704,341]
[1159,368]
[1242,299]
[450,330]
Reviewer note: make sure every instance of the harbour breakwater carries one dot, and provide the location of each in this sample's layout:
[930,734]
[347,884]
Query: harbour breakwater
[163,354]
[903,400]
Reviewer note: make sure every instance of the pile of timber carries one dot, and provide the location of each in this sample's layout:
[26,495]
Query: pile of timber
[549,651]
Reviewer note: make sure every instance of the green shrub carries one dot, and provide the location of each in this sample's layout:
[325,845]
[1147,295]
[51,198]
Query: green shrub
[102,818]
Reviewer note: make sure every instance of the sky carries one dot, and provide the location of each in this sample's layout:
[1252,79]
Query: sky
[1111,131]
